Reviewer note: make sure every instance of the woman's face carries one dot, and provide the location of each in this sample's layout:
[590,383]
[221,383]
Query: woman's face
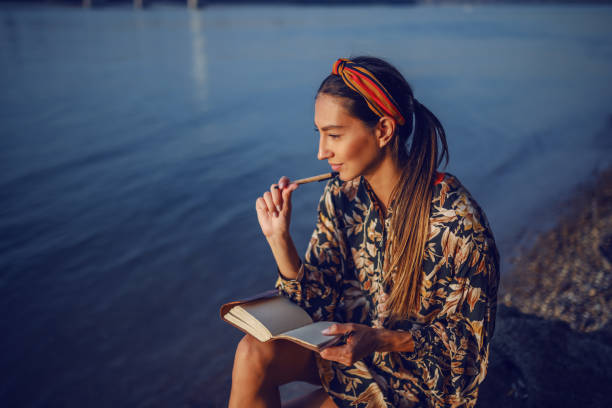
[346,142]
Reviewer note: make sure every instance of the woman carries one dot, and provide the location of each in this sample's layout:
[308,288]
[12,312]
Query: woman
[402,255]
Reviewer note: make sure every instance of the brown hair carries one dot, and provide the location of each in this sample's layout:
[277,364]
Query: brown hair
[418,158]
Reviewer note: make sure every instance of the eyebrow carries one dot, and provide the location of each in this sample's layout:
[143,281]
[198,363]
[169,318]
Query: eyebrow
[328,127]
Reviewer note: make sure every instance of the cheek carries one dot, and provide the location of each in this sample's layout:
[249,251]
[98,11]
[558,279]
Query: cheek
[360,151]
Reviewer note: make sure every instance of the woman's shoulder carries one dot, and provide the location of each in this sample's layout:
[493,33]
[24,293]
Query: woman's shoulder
[455,207]
[460,228]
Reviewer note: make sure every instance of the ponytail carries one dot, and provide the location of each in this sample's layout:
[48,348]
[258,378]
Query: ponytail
[409,230]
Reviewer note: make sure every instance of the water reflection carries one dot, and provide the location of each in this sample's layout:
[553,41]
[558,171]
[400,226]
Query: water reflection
[199,63]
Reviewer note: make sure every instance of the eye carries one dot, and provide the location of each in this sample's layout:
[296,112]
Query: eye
[334,136]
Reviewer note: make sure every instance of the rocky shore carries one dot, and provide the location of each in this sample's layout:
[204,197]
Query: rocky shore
[553,340]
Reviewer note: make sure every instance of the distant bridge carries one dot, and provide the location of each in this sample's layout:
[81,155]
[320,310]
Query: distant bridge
[200,3]
[141,3]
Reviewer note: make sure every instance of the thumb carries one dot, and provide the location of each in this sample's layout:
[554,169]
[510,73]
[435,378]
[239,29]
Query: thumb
[337,328]
[286,193]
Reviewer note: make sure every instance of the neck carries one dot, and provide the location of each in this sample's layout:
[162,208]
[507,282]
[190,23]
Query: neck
[383,179]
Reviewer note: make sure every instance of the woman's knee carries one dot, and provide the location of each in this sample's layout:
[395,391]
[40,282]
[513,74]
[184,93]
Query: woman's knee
[254,355]
[276,361]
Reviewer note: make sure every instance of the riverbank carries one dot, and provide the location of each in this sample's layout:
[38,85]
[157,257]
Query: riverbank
[553,326]
[567,274]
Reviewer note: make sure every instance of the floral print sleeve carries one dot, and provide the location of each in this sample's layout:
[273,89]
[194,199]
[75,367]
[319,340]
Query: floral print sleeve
[342,280]
[317,286]
[452,351]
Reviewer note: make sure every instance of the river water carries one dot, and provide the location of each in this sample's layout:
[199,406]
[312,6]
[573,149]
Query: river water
[134,143]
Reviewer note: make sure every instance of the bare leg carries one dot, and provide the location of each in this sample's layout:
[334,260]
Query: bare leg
[260,368]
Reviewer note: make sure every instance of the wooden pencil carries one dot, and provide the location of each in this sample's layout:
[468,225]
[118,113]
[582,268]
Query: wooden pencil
[320,177]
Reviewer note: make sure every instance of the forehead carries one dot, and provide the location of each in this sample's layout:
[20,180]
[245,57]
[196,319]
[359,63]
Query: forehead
[331,110]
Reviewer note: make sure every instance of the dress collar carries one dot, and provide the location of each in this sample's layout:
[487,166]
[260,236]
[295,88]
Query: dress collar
[437,179]
[376,201]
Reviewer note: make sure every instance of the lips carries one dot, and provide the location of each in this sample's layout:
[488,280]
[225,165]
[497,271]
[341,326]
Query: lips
[335,167]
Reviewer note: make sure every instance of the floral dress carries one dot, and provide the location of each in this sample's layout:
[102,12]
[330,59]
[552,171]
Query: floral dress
[341,280]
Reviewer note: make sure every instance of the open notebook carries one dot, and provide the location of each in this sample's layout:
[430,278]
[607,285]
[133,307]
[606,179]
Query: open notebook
[271,316]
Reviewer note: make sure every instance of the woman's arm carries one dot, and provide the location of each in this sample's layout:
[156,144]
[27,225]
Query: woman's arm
[363,340]
[316,287]
[393,340]
[286,256]
[274,216]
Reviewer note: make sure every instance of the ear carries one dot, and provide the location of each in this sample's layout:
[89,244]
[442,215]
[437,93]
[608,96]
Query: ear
[385,129]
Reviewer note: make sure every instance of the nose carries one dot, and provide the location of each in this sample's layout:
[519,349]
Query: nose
[323,153]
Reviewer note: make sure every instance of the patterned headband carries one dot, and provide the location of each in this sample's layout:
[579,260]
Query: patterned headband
[365,83]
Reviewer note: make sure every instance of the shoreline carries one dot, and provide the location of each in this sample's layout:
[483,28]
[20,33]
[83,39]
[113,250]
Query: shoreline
[566,272]
[553,327]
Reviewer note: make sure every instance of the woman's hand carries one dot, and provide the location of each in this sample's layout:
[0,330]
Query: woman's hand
[361,342]
[274,209]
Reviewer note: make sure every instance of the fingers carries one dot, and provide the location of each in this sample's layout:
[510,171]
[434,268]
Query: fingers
[341,354]
[262,209]
[276,198]
[338,328]
[286,196]
[260,205]
[347,353]
[274,208]
[270,206]
[283,182]
[344,354]
[280,195]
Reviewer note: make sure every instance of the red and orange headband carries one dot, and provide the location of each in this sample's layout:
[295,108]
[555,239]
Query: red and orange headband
[365,83]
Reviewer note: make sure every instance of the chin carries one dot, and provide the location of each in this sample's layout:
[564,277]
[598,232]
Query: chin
[347,177]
